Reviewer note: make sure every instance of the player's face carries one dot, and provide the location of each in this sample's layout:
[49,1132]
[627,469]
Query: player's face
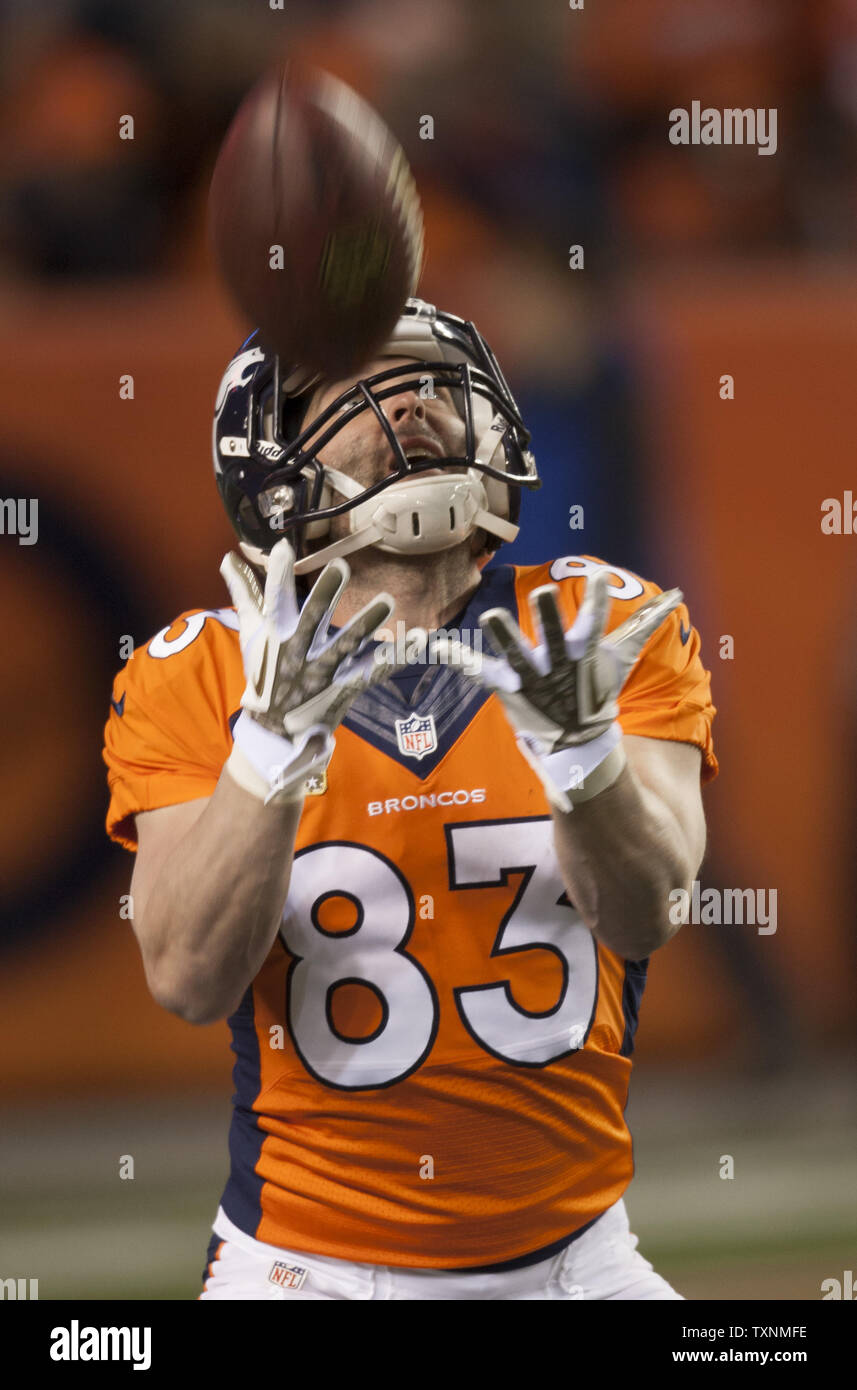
[362,451]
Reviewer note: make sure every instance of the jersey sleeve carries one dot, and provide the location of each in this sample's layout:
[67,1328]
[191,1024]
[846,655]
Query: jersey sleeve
[668,692]
[168,734]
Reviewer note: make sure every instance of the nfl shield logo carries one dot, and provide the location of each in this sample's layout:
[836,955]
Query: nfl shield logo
[416,735]
[287,1276]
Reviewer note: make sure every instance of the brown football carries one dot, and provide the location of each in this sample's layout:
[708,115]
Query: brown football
[315,220]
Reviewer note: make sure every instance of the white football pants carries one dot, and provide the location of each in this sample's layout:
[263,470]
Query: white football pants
[602,1263]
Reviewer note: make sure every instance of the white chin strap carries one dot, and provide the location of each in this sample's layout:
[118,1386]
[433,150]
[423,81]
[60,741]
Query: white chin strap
[417,516]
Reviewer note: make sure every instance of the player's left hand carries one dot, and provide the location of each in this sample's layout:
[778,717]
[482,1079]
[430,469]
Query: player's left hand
[562,693]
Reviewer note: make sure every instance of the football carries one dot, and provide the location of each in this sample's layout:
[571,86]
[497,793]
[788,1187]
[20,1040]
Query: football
[315,220]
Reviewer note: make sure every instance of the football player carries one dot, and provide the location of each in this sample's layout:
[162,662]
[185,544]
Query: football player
[424,897]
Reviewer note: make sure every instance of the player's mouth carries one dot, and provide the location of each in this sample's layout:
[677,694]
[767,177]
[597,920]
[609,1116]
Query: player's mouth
[420,449]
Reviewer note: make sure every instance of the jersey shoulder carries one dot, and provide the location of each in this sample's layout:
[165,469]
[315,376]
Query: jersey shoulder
[168,730]
[199,640]
[627,590]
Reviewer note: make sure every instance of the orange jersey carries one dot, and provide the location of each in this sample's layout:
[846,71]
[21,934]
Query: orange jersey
[433,1062]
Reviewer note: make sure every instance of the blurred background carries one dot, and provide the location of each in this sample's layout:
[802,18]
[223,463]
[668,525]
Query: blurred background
[550,130]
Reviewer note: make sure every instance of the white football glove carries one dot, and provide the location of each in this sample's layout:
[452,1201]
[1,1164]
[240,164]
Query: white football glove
[300,678]
[561,696]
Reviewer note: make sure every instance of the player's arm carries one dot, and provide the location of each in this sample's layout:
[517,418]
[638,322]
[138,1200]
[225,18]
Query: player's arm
[622,851]
[208,889]
[212,875]
[627,811]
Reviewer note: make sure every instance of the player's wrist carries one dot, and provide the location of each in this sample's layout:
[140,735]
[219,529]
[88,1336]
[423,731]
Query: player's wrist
[585,780]
[580,771]
[272,766]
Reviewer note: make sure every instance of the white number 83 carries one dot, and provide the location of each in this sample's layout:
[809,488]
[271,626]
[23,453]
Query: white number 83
[373,953]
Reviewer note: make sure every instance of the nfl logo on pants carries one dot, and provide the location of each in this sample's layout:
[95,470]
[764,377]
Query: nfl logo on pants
[288,1276]
[416,735]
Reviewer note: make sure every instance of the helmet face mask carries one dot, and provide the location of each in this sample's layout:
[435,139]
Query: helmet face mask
[274,483]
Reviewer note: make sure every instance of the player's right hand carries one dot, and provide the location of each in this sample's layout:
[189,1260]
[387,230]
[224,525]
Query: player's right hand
[300,678]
